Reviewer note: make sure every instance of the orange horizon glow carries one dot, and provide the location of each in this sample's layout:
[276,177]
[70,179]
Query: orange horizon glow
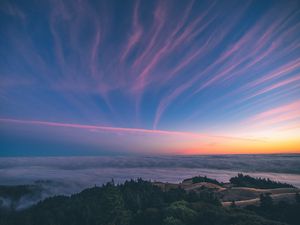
[180,142]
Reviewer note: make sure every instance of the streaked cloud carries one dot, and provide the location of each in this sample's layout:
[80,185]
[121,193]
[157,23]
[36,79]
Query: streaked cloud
[152,68]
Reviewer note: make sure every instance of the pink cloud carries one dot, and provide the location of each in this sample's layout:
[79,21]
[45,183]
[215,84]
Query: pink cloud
[294,106]
[119,130]
[168,45]
[136,34]
[158,23]
[276,115]
[283,70]
[239,53]
[274,86]
[94,53]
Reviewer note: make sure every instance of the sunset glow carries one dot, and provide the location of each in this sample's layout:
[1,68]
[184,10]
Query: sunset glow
[149,77]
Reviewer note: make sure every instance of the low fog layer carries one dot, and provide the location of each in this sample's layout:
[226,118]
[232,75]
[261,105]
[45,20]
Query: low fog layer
[67,175]
[252,163]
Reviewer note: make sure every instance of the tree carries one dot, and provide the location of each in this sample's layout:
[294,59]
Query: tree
[266,200]
[232,204]
[297,197]
[180,210]
[170,220]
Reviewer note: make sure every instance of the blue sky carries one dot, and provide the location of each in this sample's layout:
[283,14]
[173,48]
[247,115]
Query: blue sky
[178,77]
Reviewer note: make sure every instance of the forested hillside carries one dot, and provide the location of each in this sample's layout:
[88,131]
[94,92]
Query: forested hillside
[141,203]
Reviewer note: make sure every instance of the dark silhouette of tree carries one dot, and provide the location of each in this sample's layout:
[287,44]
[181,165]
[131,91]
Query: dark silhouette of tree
[200,179]
[266,200]
[297,196]
[232,204]
[246,181]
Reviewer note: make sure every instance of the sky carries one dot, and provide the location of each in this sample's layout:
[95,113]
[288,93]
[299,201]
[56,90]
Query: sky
[149,77]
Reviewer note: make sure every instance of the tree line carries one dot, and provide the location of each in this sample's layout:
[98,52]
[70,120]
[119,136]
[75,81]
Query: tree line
[139,202]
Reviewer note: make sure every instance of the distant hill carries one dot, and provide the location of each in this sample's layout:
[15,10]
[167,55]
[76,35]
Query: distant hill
[199,179]
[246,181]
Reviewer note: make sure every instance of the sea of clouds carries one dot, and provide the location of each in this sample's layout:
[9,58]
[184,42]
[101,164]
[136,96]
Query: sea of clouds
[68,175]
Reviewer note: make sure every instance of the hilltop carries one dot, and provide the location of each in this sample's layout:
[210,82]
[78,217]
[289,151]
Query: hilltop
[242,189]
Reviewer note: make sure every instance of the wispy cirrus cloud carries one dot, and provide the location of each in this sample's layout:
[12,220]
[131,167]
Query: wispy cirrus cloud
[120,129]
[148,64]
[136,33]
[242,56]
[278,115]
